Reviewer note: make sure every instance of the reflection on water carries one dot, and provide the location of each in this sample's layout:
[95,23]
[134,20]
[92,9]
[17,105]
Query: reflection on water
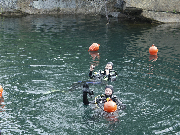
[2,104]
[95,57]
[43,56]
[153,57]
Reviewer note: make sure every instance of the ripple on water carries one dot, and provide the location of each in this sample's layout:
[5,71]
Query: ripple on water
[42,58]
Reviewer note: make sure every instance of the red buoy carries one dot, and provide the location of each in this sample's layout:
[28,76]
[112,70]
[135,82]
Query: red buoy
[153,50]
[94,47]
[110,106]
[1,91]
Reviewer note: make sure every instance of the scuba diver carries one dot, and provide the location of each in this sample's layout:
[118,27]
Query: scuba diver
[104,99]
[107,74]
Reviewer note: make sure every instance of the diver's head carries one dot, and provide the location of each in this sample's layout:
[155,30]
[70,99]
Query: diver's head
[109,65]
[109,90]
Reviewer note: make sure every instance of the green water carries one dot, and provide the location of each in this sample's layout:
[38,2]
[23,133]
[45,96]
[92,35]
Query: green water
[43,57]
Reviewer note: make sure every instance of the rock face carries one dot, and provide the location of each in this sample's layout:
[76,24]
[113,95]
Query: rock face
[165,17]
[53,6]
[155,5]
[159,10]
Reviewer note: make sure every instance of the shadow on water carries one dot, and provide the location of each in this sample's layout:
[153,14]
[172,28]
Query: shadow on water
[42,57]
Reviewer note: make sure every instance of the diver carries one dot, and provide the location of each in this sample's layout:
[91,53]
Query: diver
[102,99]
[107,74]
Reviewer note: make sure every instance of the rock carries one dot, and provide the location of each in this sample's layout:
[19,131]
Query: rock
[117,14]
[15,13]
[159,10]
[162,16]
[155,5]
[133,11]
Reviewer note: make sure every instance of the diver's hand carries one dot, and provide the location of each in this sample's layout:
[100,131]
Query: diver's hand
[91,92]
[86,89]
[92,68]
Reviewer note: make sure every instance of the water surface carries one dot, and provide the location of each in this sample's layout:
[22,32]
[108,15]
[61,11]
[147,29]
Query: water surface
[43,57]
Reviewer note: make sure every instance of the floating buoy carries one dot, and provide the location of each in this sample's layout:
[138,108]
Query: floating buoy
[94,47]
[153,50]
[110,106]
[1,91]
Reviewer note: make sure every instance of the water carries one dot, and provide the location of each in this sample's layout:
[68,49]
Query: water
[43,57]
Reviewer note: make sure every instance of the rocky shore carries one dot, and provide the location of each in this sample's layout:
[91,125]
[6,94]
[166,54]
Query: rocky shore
[163,11]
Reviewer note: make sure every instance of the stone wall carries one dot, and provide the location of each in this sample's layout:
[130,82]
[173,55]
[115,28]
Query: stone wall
[155,5]
[159,10]
[54,6]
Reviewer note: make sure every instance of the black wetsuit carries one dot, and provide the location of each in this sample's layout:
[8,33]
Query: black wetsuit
[101,99]
[102,75]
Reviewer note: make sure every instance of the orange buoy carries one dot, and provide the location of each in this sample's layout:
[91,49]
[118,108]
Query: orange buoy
[110,106]
[94,47]
[1,91]
[153,50]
